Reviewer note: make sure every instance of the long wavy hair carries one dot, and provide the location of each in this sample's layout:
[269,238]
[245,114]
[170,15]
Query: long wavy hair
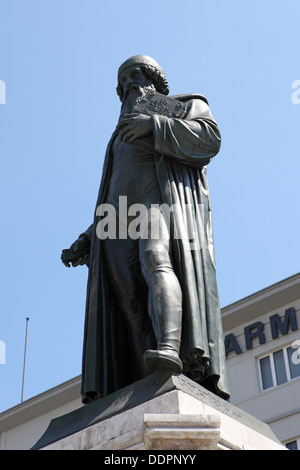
[159,80]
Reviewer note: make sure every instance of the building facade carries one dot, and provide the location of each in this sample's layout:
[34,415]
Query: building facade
[262,340]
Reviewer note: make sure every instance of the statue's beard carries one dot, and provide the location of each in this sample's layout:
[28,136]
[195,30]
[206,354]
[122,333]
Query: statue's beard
[131,97]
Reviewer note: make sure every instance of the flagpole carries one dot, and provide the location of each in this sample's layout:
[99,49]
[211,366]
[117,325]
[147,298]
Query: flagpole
[24,364]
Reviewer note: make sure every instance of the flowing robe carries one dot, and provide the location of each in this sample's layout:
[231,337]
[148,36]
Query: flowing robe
[181,148]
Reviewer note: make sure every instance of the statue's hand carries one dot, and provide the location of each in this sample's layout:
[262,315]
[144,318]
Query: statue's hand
[77,254]
[134,126]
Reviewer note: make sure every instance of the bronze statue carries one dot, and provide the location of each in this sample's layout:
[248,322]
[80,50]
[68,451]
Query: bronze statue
[152,300]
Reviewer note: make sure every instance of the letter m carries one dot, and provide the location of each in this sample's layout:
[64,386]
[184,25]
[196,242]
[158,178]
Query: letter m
[289,322]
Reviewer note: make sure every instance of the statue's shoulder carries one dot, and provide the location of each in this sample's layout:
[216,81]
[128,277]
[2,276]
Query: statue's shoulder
[189,96]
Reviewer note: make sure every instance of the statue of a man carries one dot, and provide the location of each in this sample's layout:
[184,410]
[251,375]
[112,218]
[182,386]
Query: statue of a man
[152,300]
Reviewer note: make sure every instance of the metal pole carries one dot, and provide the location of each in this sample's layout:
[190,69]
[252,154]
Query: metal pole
[25,350]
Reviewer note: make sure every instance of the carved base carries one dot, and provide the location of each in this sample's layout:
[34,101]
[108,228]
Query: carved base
[161,412]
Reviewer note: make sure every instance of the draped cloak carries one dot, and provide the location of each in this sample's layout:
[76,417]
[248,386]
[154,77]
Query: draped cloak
[181,148]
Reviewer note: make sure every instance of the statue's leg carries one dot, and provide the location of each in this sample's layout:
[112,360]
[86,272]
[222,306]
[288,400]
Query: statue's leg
[165,299]
[130,291]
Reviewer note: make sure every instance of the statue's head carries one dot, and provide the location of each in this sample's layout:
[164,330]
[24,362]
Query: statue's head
[149,67]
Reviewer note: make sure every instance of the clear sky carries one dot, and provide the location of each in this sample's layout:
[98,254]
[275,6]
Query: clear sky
[58,61]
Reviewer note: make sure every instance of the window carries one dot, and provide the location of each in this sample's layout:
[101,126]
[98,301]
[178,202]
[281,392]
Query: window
[292,445]
[279,367]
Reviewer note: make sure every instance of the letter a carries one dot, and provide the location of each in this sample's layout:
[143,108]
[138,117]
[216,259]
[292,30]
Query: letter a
[109,221]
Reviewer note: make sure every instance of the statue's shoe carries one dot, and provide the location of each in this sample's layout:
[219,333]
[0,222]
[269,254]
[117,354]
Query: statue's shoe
[162,359]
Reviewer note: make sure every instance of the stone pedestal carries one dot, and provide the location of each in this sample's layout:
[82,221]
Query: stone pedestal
[161,412]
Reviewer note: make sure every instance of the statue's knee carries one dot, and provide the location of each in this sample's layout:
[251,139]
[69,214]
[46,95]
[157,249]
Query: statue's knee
[155,258]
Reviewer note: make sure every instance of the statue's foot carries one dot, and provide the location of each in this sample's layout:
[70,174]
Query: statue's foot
[162,359]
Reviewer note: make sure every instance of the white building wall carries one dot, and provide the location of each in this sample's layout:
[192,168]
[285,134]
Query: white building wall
[278,406]
[22,426]
[24,436]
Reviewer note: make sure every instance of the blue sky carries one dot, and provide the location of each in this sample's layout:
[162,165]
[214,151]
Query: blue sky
[59,60]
